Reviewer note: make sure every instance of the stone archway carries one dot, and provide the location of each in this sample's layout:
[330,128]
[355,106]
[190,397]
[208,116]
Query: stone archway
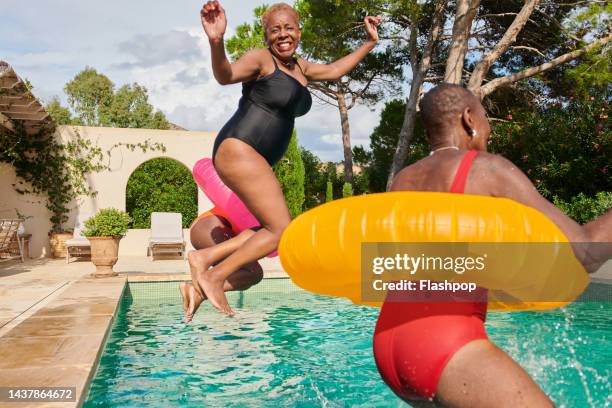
[160,184]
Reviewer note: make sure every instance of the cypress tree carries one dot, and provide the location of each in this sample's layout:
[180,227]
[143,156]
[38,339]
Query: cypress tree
[347,190]
[290,174]
[329,193]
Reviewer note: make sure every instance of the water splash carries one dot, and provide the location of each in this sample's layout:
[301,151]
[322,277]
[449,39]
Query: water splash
[321,398]
[569,343]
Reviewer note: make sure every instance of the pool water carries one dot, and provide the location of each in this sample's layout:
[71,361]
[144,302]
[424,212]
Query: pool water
[289,348]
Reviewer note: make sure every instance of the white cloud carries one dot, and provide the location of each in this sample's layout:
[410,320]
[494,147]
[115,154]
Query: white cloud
[149,50]
[332,139]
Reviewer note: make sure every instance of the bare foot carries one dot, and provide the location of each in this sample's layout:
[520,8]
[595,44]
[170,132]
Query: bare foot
[184,289]
[195,300]
[197,264]
[213,288]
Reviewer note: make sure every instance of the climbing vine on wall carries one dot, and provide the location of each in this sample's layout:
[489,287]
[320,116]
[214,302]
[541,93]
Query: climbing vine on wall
[46,167]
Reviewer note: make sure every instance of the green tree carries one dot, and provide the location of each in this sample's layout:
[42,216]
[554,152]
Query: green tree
[493,44]
[347,190]
[584,209]
[60,114]
[129,107]
[383,142]
[565,149]
[93,99]
[88,93]
[290,174]
[315,180]
[248,36]
[331,30]
[329,192]
[163,185]
[335,177]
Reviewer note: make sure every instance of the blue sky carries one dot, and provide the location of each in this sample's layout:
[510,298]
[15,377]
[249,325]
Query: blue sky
[159,44]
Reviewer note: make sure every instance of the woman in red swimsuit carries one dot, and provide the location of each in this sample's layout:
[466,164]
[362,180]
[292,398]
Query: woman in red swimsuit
[438,352]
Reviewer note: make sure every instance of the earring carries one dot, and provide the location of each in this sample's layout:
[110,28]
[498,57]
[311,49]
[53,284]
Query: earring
[473,132]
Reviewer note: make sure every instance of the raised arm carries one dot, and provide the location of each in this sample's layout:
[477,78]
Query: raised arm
[246,68]
[341,67]
[592,242]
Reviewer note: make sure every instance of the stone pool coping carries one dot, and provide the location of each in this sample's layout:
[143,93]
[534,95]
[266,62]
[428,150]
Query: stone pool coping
[60,344]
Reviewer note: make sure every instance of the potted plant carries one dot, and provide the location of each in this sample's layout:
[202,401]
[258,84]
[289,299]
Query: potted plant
[104,231]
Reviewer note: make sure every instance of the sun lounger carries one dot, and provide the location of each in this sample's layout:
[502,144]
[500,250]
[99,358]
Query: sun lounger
[166,234]
[78,246]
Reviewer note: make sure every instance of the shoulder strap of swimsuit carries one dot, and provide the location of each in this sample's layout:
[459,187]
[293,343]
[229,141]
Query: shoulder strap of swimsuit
[300,67]
[460,179]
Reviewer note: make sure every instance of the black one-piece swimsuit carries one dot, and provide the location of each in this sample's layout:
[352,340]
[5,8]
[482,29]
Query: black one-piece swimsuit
[266,114]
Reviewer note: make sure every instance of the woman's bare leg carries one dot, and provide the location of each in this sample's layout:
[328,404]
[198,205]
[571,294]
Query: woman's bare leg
[249,175]
[482,375]
[184,289]
[245,277]
[206,233]
[202,259]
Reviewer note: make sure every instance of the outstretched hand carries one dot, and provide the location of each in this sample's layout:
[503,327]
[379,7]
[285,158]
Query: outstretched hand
[213,20]
[370,26]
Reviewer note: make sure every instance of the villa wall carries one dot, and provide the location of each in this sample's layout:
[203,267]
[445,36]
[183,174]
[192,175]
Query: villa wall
[29,205]
[187,147]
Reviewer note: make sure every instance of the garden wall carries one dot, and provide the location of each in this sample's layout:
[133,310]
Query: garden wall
[186,147]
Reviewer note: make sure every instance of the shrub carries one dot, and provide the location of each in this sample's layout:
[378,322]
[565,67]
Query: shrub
[315,180]
[108,222]
[290,174]
[347,190]
[162,185]
[329,192]
[584,209]
[564,149]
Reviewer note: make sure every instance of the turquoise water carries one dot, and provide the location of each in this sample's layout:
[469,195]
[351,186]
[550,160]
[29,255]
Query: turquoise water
[289,348]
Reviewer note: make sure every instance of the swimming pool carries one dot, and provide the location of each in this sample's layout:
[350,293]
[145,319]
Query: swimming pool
[289,348]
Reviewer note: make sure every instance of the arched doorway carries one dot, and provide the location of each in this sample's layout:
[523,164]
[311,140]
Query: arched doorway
[164,185]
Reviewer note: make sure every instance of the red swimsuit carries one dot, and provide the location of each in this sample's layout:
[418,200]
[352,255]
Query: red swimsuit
[413,341]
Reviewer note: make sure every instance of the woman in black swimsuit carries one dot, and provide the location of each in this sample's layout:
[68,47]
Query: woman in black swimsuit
[256,137]
[266,113]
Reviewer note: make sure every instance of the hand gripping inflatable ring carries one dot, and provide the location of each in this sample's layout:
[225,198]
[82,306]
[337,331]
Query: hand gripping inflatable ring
[321,249]
[224,199]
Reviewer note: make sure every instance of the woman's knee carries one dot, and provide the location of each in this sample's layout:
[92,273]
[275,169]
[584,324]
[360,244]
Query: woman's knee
[277,231]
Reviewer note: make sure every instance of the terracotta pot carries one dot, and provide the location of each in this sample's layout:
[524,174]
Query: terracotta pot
[104,254]
[57,242]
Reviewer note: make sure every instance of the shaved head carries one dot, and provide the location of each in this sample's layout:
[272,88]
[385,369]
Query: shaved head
[265,18]
[442,106]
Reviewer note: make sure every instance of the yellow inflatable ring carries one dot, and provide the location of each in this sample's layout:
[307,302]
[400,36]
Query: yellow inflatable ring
[321,249]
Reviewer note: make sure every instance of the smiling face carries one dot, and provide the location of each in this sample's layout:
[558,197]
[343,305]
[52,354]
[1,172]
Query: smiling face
[282,33]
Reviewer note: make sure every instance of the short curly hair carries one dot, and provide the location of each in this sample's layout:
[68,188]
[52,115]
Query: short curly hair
[265,18]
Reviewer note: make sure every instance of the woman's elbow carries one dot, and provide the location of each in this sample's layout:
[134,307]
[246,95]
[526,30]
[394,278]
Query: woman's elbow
[334,73]
[223,80]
